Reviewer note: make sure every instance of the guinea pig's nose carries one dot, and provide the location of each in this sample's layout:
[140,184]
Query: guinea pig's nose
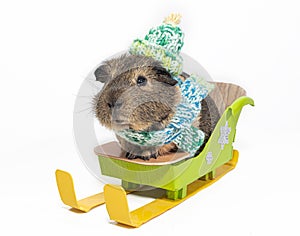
[110,105]
[118,104]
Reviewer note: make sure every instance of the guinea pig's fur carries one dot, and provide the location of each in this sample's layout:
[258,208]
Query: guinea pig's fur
[140,94]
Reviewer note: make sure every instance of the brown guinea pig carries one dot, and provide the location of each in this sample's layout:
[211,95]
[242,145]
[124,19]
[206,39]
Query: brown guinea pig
[140,94]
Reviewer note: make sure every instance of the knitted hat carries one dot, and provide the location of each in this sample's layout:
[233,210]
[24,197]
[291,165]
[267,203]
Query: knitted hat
[163,43]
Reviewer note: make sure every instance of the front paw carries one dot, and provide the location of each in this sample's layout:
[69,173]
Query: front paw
[130,156]
[146,156]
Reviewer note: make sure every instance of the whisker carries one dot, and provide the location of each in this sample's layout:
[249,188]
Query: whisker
[90,109]
[93,84]
[85,96]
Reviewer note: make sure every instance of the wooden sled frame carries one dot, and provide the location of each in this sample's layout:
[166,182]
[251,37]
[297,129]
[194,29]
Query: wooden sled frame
[181,178]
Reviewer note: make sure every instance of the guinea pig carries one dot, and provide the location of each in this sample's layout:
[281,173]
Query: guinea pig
[140,94]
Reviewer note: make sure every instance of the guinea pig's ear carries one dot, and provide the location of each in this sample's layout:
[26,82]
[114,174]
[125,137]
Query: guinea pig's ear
[102,73]
[164,76]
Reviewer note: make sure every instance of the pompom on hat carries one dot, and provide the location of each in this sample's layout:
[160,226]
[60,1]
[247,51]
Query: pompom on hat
[163,43]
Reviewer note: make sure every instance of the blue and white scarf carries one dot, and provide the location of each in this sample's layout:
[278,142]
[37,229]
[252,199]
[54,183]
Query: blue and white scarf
[180,130]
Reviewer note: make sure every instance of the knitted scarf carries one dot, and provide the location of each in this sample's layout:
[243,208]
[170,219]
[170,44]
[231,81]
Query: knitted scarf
[180,130]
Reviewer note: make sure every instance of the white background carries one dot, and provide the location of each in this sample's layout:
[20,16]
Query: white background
[48,48]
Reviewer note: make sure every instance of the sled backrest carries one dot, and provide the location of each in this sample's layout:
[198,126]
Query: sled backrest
[225,94]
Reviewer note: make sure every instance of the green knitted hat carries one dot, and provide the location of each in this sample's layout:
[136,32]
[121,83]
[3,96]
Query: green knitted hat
[163,43]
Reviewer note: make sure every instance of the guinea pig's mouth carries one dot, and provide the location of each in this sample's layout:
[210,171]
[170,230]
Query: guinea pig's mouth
[118,125]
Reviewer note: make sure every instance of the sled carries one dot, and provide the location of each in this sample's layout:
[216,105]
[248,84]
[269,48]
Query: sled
[180,175]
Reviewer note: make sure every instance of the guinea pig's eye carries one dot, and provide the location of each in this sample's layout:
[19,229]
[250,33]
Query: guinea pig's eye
[141,80]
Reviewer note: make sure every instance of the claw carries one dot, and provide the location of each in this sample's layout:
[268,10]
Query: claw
[145,158]
[154,155]
[130,156]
